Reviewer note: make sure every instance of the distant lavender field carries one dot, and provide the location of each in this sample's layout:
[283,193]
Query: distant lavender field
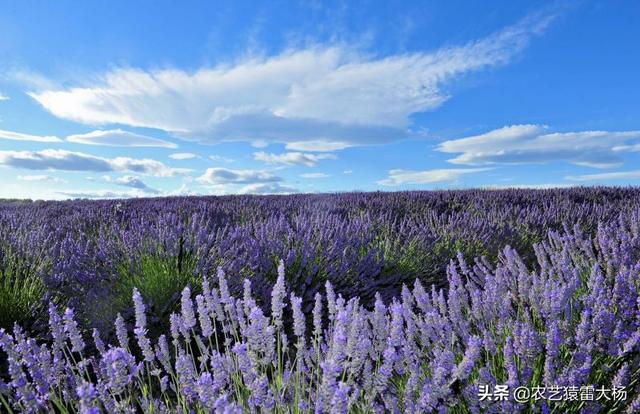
[365,302]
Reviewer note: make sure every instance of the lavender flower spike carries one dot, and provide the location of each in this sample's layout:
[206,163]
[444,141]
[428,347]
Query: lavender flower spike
[278,295]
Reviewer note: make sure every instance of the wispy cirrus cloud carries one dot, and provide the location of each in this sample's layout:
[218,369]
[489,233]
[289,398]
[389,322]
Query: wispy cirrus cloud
[267,188]
[292,158]
[217,176]
[611,176]
[400,177]
[130,181]
[119,138]
[3,97]
[315,175]
[522,144]
[51,159]
[217,158]
[42,178]
[183,156]
[19,136]
[311,99]
[102,194]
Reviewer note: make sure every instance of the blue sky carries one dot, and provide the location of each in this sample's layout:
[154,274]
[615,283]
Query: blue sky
[152,98]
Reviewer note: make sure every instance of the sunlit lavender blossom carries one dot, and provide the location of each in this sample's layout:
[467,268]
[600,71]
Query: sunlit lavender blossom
[118,369]
[140,329]
[203,316]
[340,400]
[121,332]
[464,368]
[71,328]
[278,294]
[98,341]
[186,306]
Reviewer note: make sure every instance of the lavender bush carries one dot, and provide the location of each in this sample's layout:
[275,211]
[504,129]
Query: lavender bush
[90,254]
[570,319]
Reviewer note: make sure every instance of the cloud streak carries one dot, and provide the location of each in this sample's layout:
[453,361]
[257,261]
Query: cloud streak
[19,136]
[400,177]
[292,158]
[618,175]
[51,159]
[313,99]
[267,188]
[119,138]
[182,156]
[102,194]
[218,176]
[315,175]
[41,178]
[525,144]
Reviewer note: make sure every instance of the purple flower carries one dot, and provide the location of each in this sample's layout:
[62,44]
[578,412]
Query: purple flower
[98,341]
[553,342]
[340,400]
[299,323]
[118,369]
[121,332]
[56,327]
[188,314]
[141,327]
[71,327]
[138,304]
[87,395]
[162,353]
[206,391]
[278,294]
[471,355]
[203,317]
[317,316]
[176,326]
[186,374]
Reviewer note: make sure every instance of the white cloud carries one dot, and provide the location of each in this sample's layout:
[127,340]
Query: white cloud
[318,98]
[220,158]
[50,159]
[347,172]
[119,138]
[627,148]
[130,181]
[315,175]
[3,97]
[399,177]
[267,188]
[146,166]
[18,136]
[41,178]
[103,194]
[619,175]
[292,158]
[183,190]
[182,156]
[217,176]
[519,144]
[318,145]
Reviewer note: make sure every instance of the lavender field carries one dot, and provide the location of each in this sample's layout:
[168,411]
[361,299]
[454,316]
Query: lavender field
[411,302]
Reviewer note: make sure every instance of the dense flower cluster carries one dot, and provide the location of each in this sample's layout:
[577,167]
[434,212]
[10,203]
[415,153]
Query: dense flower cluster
[570,319]
[86,253]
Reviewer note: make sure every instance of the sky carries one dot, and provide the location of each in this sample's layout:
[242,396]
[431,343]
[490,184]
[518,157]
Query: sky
[111,99]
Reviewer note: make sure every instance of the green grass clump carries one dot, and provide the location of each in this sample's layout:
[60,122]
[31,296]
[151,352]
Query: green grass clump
[21,290]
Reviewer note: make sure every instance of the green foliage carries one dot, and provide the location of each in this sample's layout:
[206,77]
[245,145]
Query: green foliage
[159,279]
[21,290]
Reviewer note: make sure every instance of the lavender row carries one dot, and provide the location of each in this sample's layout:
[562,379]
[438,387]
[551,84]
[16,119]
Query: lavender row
[571,319]
[363,243]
